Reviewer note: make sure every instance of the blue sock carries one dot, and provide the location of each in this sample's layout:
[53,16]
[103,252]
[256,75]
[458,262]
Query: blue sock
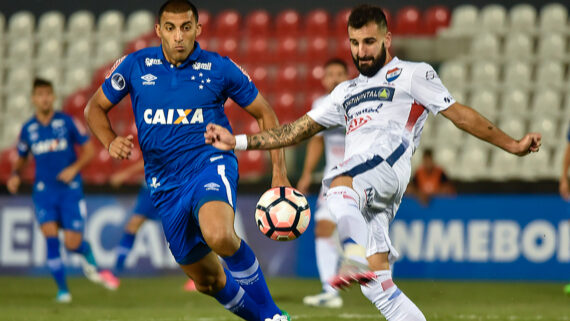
[55,264]
[85,250]
[234,298]
[247,272]
[123,250]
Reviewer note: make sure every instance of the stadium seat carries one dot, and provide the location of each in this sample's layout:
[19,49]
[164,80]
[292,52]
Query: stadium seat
[147,40]
[517,73]
[139,22]
[459,95]
[100,168]
[515,101]
[484,72]
[205,19]
[20,51]
[546,101]
[258,24]
[252,164]
[485,45]
[50,51]
[107,50]
[446,157]
[287,50]
[21,25]
[315,75]
[537,166]
[8,157]
[18,107]
[80,25]
[50,72]
[110,25]
[229,47]
[465,19]
[504,166]
[311,96]
[550,73]
[447,133]
[522,17]
[473,163]
[485,101]
[317,23]
[76,78]
[341,23]
[2,23]
[513,125]
[518,46]
[493,18]
[435,18]
[74,104]
[50,25]
[453,74]
[257,50]
[99,75]
[288,23]
[342,50]
[228,24]
[317,50]
[408,21]
[553,17]
[19,80]
[552,46]
[261,78]
[79,53]
[548,126]
[289,77]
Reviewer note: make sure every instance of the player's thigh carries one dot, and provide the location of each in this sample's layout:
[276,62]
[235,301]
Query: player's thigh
[73,211]
[72,239]
[207,273]
[217,225]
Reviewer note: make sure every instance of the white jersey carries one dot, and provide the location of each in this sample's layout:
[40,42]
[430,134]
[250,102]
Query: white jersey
[384,115]
[334,141]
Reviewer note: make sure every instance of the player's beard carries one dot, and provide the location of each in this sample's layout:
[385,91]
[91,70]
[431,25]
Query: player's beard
[377,63]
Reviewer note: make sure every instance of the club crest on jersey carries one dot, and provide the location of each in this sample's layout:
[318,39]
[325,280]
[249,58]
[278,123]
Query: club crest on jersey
[148,79]
[202,66]
[173,116]
[393,74]
[149,62]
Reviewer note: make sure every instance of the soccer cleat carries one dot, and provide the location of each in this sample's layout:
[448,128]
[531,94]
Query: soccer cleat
[190,286]
[352,272]
[567,289]
[90,272]
[108,280]
[280,317]
[63,297]
[323,300]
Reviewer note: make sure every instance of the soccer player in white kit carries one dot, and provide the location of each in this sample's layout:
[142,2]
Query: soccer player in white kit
[383,110]
[332,143]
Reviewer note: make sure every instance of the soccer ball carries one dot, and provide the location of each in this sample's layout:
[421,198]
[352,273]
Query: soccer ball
[282,213]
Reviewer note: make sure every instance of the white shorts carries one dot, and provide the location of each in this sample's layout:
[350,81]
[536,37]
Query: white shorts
[380,190]
[322,212]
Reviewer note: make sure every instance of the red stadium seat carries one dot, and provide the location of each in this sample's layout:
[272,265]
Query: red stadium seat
[261,78]
[288,106]
[7,159]
[341,23]
[287,50]
[99,75]
[289,77]
[343,48]
[229,47]
[74,104]
[408,21]
[258,24]
[318,50]
[314,77]
[100,168]
[252,164]
[288,23]
[435,18]
[228,24]
[147,40]
[313,95]
[317,23]
[257,50]
[205,19]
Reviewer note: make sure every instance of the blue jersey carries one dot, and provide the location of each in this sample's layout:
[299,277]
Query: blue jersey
[172,106]
[52,146]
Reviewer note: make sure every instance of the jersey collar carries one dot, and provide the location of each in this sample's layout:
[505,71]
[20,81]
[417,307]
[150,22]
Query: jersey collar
[392,62]
[193,56]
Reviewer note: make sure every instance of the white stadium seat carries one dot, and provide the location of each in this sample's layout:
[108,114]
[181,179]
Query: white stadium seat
[447,134]
[110,24]
[19,106]
[19,80]
[485,45]
[21,25]
[51,25]
[518,45]
[517,73]
[139,23]
[51,73]
[79,50]
[446,157]
[546,101]
[464,19]
[473,163]
[512,125]
[514,102]
[107,51]
[484,72]
[80,25]
[76,78]
[20,50]
[10,132]
[485,101]
[550,73]
[2,23]
[459,95]
[522,17]
[536,166]
[493,17]
[547,125]
[49,51]
[553,17]
[504,166]
[453,74]
[552,46]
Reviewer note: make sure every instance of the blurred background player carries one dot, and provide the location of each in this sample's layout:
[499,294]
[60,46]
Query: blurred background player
[384,110]
[142,211]
[193,185]
[51,137]
[429,180]
[332,143]
[563,184]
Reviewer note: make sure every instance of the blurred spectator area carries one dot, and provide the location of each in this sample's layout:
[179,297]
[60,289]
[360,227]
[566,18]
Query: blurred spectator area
[508,63]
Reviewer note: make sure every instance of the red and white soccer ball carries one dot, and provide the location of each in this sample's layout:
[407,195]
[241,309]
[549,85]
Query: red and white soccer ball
[282,213]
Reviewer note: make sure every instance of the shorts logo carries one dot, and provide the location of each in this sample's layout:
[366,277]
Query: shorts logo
[118,82]
[148,79]
[393,74]
[152,61]
[212,187]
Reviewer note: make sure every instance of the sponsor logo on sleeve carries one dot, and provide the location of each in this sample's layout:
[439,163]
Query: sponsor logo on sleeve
[118,82]
[115,65]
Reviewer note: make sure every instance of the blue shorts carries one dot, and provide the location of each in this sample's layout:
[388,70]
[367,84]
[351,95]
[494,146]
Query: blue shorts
[216,181]
[64,206]
[144,206]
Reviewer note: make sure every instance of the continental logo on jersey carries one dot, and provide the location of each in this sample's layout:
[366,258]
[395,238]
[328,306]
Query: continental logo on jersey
[173,116]
[371,94]
[115,65]
[49,145]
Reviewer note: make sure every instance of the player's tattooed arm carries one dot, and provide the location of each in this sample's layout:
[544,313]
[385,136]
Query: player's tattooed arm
[284,135]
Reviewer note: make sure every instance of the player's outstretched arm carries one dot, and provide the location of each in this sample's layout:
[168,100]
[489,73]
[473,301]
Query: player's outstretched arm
[284,135]
[563,184]
[471,121]
[98,121]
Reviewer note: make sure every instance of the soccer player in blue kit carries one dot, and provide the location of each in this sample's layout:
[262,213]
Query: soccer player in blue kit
[58,194]
[176,89]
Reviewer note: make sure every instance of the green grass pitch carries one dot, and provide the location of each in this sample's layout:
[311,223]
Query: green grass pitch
[162,299]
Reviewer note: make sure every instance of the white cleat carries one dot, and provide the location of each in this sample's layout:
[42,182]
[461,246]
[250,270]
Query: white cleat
[63,297]
[323,300]
[278,317]
[90,272]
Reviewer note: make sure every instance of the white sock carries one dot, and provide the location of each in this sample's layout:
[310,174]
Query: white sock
[391,301]
[351,226]
[327,260]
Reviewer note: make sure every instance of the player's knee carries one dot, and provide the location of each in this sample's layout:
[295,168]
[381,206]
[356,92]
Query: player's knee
[222,241]
[209,284]
[72,244]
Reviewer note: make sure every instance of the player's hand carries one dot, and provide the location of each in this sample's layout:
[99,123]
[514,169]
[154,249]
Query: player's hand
[13,184]
[219,137]
[563,189]
[67,174]
[530,143]
[121,147]
[304,183]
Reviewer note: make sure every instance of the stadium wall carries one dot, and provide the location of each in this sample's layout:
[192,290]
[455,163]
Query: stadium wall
[507,237]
